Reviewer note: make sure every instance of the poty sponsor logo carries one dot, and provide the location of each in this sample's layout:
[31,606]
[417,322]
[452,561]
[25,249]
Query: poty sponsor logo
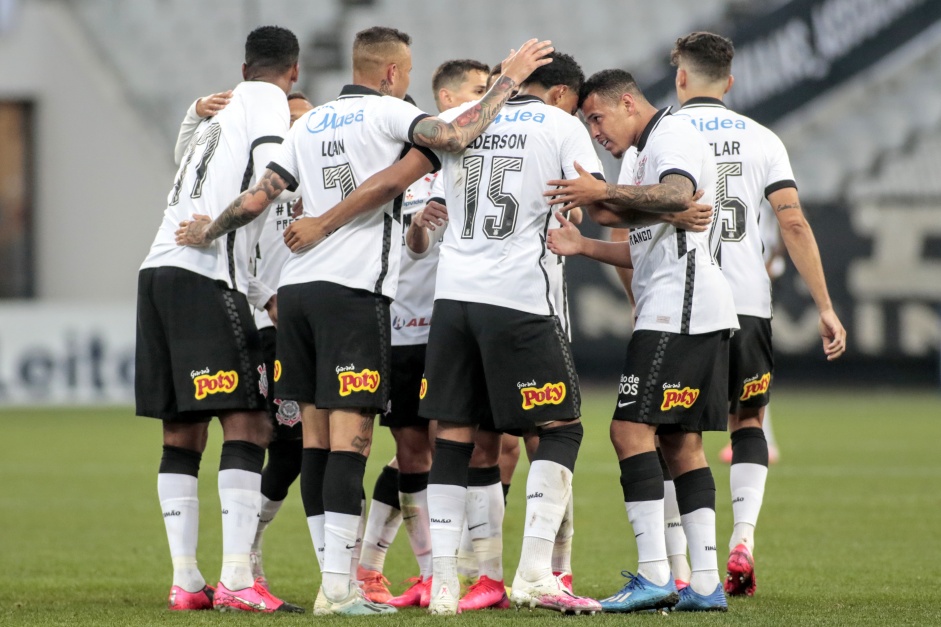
[549,394]
[345,368]
[196,373]
[678,398]
[363,381]
[423,389]
[326,117]
[756,386]
[219,383]
[277,370]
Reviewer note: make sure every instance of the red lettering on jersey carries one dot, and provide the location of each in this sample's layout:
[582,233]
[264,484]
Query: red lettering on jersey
[363,381]
[219,383]
[679,398]
[549,394]
[757,387]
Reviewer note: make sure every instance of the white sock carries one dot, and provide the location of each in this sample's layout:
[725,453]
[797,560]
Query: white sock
[748,489]
[562,549]
[675,536]
[766,427]
[484,509]
[466,560]
[358,549]
[382,524]
[548,489]
[269,509]
[647,521]
[700,527]
[240,496]
[415,516]
[180,504]
[315,525]
[340,533]
[446,516]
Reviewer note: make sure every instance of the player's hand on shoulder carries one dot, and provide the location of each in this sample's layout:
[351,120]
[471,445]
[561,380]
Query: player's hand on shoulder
[697,217]
[193,232]
[303,233]
[432,216]
[521,63]
[208,106]
[567,240]
[833,334]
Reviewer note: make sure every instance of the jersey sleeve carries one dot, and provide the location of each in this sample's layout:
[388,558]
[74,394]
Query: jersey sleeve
[284,159]
[187,129]
[397,119]
[780,174]
[577,147]
[675,150]
[437,190]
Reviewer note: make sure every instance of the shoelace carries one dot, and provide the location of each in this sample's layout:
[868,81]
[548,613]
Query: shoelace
[633,581]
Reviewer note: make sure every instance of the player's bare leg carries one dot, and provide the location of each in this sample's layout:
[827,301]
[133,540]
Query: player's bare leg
[747,478]
[509,458]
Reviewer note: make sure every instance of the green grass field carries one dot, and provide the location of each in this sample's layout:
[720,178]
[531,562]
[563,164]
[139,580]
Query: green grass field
[849,534]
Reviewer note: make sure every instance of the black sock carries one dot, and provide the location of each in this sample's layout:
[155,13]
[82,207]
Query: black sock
[386,489]
[560,445]
[695,489]
[283,467]
[241,455]
[412,482]
[483,476]
[343,483]
[313,465]
[180,461]
[749,446]
[641,478]
[451,462]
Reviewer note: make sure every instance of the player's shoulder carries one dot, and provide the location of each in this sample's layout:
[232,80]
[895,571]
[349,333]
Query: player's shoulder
[670,130]
[260,93]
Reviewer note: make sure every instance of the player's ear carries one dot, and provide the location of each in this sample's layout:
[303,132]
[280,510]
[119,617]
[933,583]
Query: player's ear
[681,78]
[555,94]
[444,97]
[295,72]
[627,100]
[245,71]
[392,71]
[728,85]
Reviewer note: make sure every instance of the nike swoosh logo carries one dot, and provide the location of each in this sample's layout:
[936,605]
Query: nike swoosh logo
[382,546]
[409,517]
[351,546]
[257,606]
[637,535]
[475,526]
[620,404]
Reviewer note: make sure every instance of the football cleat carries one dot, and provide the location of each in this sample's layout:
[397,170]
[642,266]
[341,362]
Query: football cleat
[258,569]
[445,603]
[692,601]
[355,604]
[254,599]
[180,599]
[680,584]
[566,579]
[413,594]
[550,593]
[375,587]
[485,594]
[639,593]
[741,578]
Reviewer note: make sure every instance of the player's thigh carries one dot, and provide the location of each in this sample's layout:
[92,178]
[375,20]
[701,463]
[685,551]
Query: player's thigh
[351,430]
[352,334]
[528,365]
[454,382]
[751,365]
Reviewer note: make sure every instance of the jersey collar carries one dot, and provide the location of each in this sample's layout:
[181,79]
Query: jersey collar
[662,113]
[357,90]
[703,100]
[524,99]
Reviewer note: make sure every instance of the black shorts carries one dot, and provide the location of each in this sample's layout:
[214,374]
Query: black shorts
[516,364]
[408,369]
[676,381]
[198,351]
[751,364]
[333,346]
[285,415]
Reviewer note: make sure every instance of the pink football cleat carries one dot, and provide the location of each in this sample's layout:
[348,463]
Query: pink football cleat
[741,578]
[485,594]
[413,595]
[375,586]
[180,599]
[566,579]
[254,599]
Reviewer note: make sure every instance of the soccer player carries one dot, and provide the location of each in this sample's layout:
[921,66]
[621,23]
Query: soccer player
[405,488]
[333,298]
[198,352]
[284,450]
[752,165]
[675,378]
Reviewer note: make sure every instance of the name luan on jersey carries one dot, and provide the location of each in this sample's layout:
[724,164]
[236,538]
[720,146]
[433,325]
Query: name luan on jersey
[227,153]
[752,163]
[494,249]
[677,283]
[327,152]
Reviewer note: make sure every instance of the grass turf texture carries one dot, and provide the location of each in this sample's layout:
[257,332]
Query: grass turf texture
[848,534]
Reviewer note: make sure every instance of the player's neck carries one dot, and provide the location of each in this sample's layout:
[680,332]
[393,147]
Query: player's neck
[373,83]
[533,89]
[645,112]
[689,94]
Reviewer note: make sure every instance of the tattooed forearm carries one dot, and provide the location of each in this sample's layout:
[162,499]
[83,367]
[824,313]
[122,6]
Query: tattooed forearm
[454,137]
[670,196]
[785,207]
[248,206]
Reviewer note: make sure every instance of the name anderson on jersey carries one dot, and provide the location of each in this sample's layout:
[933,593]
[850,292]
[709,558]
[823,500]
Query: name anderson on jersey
[495,142]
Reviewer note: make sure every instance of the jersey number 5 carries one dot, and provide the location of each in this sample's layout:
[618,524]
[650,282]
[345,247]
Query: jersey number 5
[732,211]
[499,226]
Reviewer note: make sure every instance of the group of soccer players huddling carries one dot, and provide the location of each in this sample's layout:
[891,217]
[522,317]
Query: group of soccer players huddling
[319,265]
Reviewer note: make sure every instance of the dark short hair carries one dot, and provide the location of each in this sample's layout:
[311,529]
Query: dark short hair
[708,54]
[450,74]
[609,84]
[271,48]
[562,71]
[298,95]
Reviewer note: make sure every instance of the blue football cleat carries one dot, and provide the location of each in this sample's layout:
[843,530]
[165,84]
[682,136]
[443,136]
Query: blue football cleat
[641,594]
[692,601]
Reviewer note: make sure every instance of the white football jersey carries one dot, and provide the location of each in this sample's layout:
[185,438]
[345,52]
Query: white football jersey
[752,163]
[226,155]
[271,252]
[494,249]
[328,151]
[677,283]
[415,298]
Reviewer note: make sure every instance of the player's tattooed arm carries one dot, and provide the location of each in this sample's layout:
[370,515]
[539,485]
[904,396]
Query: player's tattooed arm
[454,136]
[671,195]
[248,206]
